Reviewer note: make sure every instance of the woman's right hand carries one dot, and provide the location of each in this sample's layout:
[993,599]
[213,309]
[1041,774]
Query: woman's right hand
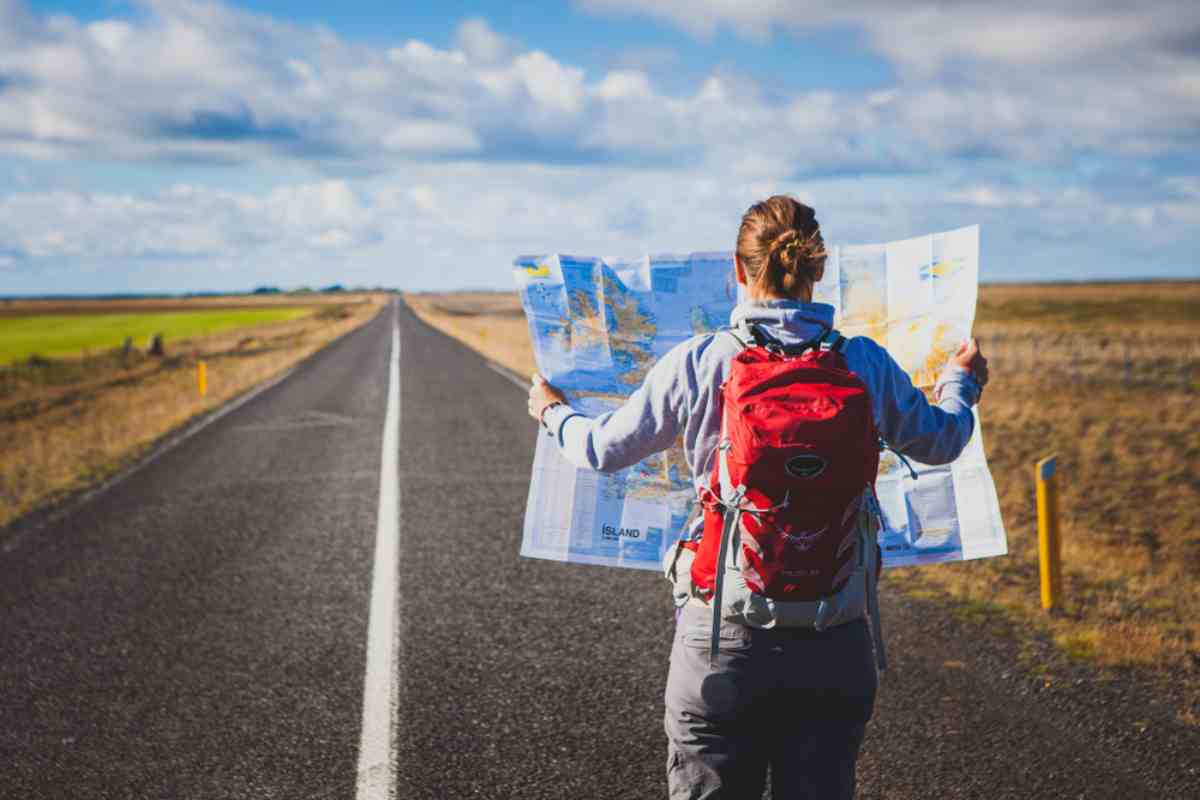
[971,359]
[542,395]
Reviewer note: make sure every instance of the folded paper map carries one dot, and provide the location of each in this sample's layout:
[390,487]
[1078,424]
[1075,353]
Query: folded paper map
[599,324]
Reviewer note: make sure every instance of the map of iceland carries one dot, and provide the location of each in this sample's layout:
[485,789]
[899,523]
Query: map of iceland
[598,326]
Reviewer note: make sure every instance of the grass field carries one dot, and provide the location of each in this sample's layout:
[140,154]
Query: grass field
[1106,377]
[18,306]
[55,335]
[67,423]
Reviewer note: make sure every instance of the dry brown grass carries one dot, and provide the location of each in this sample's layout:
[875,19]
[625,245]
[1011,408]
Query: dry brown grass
[492,323]
[1106,376]
[1103,375]
[60,437]
[999,293]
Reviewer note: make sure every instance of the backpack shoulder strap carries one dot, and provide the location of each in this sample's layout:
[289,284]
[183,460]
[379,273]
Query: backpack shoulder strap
[743,334]
[833,340]
[748,335]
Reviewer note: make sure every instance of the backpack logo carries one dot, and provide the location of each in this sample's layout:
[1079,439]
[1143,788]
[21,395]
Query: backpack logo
[805,466]
[803,540]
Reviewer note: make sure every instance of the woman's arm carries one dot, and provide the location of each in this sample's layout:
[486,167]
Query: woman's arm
[932,434]
[648,421]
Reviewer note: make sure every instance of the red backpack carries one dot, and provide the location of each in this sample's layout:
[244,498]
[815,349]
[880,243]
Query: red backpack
[790,515]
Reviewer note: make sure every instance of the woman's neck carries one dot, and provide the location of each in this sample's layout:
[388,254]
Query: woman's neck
[804,296]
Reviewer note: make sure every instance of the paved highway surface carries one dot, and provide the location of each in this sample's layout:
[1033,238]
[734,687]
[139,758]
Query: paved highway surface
[200,629]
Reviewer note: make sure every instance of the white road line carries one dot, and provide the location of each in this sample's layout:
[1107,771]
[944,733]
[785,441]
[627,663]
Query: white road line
[508,373]
[376,750]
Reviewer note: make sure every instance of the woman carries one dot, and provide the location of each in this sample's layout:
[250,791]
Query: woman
[794,699]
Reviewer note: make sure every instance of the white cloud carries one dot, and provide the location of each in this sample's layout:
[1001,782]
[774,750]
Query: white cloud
[230,85]
[995,197]
[421,136]
[1082,74]
[625,85]
[183,221]
[464,156]
[331,239]
[1185,186]
[480,43]
[928,33]
[428,226]
[424,198]
[111,35]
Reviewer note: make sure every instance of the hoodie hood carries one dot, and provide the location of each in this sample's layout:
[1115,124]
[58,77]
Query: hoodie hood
[790,321]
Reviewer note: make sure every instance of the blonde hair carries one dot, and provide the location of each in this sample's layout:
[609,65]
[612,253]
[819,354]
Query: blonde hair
[780,246]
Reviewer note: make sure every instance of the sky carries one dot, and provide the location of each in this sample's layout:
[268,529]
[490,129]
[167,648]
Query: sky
[187,145]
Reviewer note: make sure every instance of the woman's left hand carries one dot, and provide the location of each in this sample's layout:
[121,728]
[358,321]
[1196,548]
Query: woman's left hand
[541,395]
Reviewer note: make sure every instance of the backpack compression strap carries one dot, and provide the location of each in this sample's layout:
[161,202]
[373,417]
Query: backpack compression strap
[731,499]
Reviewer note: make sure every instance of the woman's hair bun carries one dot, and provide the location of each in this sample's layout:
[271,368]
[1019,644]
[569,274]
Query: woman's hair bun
[780,245]
[785,248]
[796,253]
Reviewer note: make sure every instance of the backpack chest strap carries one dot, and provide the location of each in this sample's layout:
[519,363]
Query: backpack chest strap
[751,335]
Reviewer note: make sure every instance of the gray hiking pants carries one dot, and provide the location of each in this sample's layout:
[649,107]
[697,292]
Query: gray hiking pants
[797,701]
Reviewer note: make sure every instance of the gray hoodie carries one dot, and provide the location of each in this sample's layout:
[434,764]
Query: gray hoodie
[681,395]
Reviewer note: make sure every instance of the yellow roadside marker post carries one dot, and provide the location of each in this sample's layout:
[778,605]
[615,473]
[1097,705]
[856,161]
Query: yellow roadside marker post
[1049,541]
[202,377]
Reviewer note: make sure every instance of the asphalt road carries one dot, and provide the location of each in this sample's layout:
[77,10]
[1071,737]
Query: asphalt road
[199,629]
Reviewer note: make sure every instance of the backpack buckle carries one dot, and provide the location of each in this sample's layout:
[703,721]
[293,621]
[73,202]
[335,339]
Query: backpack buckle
[832,340]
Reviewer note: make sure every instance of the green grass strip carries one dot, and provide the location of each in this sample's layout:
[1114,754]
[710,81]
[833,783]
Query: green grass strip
[73,334]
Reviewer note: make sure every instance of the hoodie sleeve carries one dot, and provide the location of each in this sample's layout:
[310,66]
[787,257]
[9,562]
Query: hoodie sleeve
[930,433]
[648,422]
